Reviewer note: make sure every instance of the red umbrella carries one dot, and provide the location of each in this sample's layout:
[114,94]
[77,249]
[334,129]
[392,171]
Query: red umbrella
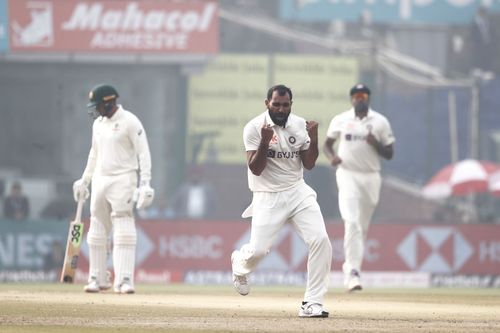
[461,178]
[494,185]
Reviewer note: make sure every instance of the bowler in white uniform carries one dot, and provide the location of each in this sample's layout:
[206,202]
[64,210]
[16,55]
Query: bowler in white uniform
[279,144]
[363,136]
[118,155]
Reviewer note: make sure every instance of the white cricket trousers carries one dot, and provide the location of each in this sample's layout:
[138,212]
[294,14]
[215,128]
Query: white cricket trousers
[271,210]
[111,210]
[358,196]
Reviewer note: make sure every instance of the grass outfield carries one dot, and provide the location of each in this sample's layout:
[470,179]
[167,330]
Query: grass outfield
[184,308]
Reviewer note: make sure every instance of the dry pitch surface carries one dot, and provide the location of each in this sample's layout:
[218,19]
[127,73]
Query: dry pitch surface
[184,308]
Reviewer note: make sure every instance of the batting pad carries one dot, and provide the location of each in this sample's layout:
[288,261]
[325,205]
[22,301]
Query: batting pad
[125,241]
[96,239]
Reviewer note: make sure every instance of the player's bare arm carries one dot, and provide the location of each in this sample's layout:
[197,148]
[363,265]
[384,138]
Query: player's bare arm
[330,152]
[385,151]
[257,159]
[310,156]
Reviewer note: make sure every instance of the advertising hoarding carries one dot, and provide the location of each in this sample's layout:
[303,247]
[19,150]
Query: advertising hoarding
[232,90]
[114,26]
[4,23]
[437,12]
[200,252]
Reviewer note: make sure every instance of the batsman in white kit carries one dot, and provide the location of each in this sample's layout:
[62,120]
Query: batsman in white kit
[363,136]
[118,155]
[279,144]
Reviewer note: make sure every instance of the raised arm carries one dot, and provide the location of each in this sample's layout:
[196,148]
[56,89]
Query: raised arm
[310,155]
[257,159]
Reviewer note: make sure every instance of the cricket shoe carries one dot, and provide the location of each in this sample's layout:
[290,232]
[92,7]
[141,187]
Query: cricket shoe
[352,281]
[92,286]
[125,287]
[107,285]
[240,282]
[312,310]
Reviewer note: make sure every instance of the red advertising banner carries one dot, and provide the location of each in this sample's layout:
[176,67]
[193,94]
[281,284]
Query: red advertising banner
[114,26]
[180,247]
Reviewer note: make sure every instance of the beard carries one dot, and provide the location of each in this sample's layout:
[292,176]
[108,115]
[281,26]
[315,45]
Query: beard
[361,107]
[279,118]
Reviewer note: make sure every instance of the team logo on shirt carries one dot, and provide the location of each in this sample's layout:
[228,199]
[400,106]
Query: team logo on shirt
[117,127]
[292,140]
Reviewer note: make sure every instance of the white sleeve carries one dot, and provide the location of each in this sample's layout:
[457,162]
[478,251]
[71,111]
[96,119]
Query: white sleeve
[386,137]
[333,131]
[251,137]
[139,140]
[91,160]
[307,139]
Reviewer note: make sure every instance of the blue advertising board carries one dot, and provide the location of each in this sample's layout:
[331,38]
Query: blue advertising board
[4,36]
[386,11]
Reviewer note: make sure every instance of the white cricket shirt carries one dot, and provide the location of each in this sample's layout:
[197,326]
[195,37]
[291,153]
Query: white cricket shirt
[119,145]
[284,165]
[351,131]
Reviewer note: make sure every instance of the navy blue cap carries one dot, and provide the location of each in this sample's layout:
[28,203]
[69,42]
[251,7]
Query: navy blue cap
[360,88]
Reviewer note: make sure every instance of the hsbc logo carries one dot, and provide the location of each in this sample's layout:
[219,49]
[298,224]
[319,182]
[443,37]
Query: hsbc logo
[435,249]
[145,247]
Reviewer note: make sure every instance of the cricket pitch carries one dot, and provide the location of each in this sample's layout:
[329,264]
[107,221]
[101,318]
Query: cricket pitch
[189,308]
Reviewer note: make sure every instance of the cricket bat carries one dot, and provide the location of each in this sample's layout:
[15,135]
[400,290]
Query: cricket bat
[75,236]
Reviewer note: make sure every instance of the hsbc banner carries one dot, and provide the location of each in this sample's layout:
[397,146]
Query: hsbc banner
[174,249]
[182,251]
[113,26]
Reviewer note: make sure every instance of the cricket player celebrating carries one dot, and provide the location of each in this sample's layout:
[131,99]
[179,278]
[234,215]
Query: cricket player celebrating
[363,137]
[279,144]
[118,153]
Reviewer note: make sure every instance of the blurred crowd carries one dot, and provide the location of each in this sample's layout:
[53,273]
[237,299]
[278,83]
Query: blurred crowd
[15,204]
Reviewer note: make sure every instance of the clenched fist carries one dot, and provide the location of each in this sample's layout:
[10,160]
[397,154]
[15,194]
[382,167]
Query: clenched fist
[266,133]
[312,128]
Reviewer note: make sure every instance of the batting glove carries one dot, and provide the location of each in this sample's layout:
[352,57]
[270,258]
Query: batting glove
[144,195]
[80,190]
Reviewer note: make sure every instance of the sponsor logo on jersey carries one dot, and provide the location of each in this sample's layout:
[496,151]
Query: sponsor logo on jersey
[283,154]
[355,137]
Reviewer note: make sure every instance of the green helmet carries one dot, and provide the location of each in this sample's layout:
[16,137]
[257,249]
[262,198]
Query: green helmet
[102,93]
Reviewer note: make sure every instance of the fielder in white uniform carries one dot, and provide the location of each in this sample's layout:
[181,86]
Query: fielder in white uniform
[363,137]
[119,152]
[279,144]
